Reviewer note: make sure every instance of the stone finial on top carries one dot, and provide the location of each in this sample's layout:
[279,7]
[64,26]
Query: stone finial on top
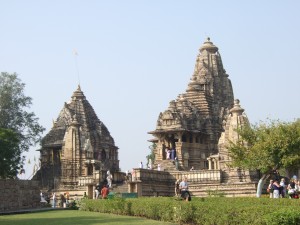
[237,108]
[78,94]
[208,46]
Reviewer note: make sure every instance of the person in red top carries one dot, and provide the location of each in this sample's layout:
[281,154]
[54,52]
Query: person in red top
[104,192]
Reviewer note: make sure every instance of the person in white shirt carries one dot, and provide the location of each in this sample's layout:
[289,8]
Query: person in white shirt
[184,189]
[283,187]
[53,200]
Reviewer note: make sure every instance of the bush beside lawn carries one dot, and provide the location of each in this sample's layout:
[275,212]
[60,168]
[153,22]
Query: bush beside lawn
[202,210]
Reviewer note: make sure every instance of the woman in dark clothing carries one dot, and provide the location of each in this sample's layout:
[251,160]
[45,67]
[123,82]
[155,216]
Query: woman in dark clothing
[292,188]
[276,188]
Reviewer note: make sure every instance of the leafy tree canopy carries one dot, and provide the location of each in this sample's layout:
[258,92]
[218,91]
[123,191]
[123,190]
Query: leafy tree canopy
[151,155]
[16,123]
[10,153]
[267,146]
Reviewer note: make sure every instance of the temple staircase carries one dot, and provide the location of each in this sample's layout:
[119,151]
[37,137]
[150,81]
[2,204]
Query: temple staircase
[238,189]
[165,165]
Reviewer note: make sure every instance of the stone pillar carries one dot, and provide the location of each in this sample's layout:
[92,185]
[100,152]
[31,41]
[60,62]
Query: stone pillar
[209,164]
[135,187]
[86,169]
[194,138]
[159,155]
[93,189]
[186,160]
[179,136]
[139,189]
[215,165]
[178,150]
[94,170]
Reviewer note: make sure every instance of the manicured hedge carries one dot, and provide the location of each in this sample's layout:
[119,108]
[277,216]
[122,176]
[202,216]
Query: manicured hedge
[203,210]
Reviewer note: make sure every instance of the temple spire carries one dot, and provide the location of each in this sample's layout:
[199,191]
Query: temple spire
[78,94]
[209,46]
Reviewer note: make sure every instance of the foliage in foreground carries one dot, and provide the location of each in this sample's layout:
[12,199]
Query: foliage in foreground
[17,125]
[276,143]
[203,210]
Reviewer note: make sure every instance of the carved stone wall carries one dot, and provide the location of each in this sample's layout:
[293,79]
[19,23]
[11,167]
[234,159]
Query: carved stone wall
[78,145]
[201,183]
[235,120]
[193,123]
[199,125]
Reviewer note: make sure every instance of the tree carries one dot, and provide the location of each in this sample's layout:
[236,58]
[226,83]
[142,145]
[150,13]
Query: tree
[10,153]
[16,122]
[151,156]
[267,147]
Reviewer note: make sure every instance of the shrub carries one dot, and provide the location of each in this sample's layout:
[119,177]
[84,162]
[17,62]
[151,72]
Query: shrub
[217,211]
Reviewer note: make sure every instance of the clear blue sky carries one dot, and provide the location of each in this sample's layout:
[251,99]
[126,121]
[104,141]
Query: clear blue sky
[134,57]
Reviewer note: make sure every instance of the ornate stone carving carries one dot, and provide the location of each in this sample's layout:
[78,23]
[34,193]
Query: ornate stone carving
[77,137]
[196,116]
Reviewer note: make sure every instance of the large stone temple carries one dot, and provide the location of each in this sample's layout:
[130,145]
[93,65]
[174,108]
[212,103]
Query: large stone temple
[77,149]
[197,128]
[193,123]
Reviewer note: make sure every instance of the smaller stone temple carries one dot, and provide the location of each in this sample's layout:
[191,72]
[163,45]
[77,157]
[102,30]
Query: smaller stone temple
[235,120]
[78,150]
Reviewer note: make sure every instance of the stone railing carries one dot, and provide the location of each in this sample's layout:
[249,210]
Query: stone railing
[118,177]
[87,180]
[161,183]
[209,176]
[99,176]
[206,176]
[145,174]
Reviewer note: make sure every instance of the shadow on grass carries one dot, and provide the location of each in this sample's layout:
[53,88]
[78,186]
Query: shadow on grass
[73,217]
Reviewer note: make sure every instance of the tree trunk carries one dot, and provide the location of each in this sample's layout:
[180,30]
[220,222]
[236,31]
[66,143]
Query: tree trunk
[261,184]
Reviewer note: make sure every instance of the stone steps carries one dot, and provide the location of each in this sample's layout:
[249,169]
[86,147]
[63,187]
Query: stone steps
[200,189]
[229,190]
[165,165]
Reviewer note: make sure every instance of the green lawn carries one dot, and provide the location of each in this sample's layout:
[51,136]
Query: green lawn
[73,217]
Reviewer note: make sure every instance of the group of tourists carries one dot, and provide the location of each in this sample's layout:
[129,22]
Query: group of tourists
[101,191]
[282,189]
[170,153]
[63,199]
[182,189]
